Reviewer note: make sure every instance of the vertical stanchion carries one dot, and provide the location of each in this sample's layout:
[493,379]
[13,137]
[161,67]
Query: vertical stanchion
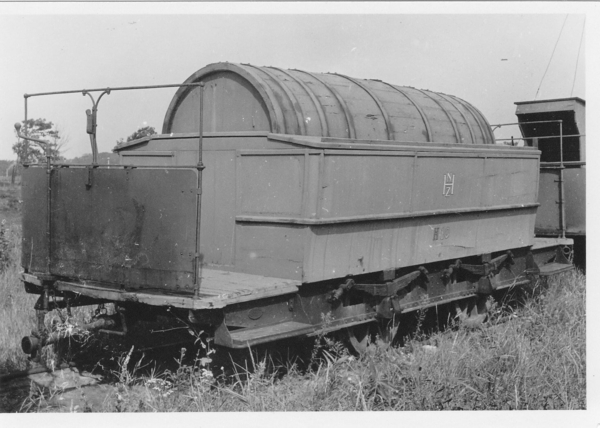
[200,167]
[563,225]
[26,147]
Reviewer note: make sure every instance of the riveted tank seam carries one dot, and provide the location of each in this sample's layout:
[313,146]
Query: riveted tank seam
[291,97]
[384,113]
[342,103]
[314,99]
[452,122]
[416,105]
[463,116]
[485,128]
[280,119]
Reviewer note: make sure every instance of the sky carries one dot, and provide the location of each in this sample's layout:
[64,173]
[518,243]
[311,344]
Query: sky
[489,55]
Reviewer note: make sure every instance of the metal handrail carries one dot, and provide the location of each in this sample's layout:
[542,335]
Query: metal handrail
[92,115]
[91,129]
[545,137]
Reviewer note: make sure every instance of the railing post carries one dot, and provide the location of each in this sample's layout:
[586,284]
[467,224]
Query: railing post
[561,199]
[198,259]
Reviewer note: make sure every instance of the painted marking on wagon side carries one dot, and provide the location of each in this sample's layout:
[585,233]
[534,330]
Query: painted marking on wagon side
[448,184]
[441,233]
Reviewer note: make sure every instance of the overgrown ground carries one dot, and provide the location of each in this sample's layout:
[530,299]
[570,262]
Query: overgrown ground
[16,307]
[529,356]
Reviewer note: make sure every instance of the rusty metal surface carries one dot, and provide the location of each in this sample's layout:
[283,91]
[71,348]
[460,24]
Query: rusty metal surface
[35,211]
[246,97]
[548,216]
[575,185]
[132,228]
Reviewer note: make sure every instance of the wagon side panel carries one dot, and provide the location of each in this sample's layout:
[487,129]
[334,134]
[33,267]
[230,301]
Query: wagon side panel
[133,228]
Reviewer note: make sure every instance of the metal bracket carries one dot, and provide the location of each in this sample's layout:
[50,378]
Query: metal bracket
[337,294]
[490,268]
[88,183]
[531,267]
[222,336]
[487,271]
[389,288]
[388,307]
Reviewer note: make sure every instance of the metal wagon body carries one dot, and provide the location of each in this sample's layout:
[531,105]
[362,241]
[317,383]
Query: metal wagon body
[322,197]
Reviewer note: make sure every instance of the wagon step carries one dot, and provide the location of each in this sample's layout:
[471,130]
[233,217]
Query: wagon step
[246,337]
[553,268]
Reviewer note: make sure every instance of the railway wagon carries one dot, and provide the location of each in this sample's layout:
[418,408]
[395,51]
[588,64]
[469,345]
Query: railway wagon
[282,203]
[557,128]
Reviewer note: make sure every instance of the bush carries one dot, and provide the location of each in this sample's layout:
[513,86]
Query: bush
[5,247]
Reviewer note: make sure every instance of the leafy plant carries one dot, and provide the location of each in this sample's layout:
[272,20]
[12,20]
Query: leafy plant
[142,132]
[42,129]
[5,247]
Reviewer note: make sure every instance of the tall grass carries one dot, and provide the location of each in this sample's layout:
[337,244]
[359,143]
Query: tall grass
[531,357]
[16,306]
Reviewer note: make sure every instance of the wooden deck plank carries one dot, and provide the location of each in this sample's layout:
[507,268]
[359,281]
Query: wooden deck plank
[217,290]
[217,282]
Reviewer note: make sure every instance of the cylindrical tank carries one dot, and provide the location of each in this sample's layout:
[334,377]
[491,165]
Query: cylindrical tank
[243,97]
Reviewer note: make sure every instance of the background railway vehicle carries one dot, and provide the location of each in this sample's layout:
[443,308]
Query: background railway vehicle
[282,203]
[557,128]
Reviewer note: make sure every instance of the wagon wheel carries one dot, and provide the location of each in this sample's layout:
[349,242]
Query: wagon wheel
[472,312]
[359,337]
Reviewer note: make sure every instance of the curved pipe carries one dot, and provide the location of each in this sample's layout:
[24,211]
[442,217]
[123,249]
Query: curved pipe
[92,116]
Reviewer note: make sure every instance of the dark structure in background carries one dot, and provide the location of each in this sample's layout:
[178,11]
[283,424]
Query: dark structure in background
[559,123]
[306,203]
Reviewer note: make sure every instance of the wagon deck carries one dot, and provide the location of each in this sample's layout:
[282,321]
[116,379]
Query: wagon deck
[217,290]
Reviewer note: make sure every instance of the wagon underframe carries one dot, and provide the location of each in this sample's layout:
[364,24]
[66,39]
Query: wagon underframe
[258,310]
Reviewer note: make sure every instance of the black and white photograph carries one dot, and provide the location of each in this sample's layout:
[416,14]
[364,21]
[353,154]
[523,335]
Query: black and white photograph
[214,213]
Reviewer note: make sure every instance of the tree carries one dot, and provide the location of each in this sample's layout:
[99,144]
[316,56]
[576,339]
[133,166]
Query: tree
[146,131]
[43,130]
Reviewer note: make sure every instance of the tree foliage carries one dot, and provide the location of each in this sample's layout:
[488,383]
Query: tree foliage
[145,131]
[42,130]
